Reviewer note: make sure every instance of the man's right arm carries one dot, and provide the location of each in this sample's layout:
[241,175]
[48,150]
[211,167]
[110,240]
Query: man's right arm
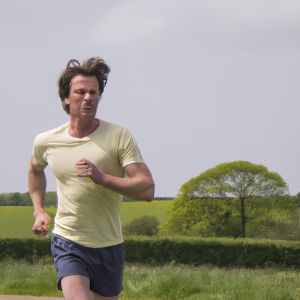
[37,188]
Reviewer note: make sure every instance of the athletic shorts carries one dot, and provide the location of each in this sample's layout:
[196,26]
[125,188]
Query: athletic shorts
[103,266]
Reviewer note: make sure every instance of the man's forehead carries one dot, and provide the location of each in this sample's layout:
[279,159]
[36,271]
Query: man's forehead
[83,81]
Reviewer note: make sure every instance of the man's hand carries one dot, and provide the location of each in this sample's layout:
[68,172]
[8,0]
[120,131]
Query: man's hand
[41,224]
[139,185]
[89,170]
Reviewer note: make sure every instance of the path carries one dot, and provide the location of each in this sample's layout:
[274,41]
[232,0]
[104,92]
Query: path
[8,297]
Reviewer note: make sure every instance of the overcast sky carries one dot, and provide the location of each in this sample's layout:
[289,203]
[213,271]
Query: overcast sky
[197,82]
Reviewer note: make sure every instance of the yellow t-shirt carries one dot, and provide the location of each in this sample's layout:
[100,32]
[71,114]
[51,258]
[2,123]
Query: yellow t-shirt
[88,214]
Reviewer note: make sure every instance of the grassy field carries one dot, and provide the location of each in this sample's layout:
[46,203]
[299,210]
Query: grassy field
[17,221]
[164,282]
[133,210]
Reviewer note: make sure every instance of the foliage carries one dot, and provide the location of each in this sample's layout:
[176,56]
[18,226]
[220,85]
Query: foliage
[50,199]
[15,199]
[18,199]
[144,225]
[125,199]
[221,252]
[222,200]
[297,199]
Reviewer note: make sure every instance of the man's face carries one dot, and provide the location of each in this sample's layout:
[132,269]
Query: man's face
[83,99]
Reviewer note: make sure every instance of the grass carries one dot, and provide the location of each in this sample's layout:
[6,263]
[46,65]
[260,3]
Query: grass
[205,283]
[17,221]
[25,279]
[164,282]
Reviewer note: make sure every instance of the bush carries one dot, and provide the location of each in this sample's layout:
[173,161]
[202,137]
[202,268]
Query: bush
[221,252]
[24,249]
[144,225]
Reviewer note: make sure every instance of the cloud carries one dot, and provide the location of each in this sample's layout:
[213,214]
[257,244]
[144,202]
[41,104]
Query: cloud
[250,23]
[258,13]
[133,22]
[204,24]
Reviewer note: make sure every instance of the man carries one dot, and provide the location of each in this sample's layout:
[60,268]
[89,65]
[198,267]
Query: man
[89,158]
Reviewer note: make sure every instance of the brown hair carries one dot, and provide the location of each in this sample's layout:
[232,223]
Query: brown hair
[95,66]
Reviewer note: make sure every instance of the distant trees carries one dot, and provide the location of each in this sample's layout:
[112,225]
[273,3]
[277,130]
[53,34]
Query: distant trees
[224,199]
[19,199]
[125,199]
[15,199]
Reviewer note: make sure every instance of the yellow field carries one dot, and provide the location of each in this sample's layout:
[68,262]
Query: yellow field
[17,221]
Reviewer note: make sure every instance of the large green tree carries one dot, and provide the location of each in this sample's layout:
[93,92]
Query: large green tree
[225,198]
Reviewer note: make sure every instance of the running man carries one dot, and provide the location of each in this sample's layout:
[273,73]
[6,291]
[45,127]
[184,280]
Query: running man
[89,158]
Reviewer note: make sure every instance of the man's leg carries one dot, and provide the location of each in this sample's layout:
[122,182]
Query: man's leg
[77,287]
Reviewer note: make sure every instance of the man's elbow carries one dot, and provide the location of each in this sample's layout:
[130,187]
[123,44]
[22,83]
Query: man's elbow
[150,192]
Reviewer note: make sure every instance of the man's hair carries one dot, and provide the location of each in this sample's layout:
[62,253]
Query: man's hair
[95,66]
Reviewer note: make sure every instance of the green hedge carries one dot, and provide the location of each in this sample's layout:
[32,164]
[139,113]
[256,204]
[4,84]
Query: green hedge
[27,249]
[222,252]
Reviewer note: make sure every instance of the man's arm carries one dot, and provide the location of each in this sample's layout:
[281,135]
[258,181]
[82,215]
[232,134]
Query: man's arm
[37,188]
[139,185]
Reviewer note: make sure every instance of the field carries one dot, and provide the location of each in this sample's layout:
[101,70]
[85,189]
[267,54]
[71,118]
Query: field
[17,221]
[164,282]
[145,282]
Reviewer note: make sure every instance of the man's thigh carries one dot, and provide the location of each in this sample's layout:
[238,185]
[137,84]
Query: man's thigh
[77,287]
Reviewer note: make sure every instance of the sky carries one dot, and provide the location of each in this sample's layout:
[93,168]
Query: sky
[197,83]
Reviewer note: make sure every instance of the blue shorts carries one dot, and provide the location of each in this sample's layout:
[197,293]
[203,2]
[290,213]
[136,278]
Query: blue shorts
[103,266]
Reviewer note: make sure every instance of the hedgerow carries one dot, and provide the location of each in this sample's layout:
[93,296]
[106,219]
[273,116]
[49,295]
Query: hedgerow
[222,252]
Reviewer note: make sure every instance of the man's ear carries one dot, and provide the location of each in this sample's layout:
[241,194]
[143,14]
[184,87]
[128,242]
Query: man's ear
[67,101]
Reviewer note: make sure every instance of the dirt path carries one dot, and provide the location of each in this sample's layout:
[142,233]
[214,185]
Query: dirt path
[8,297]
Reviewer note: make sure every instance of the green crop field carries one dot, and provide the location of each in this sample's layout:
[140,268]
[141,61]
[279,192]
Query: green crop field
[133,210]
[17,221]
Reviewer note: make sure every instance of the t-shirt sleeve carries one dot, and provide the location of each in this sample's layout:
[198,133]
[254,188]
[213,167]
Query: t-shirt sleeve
[38,151]
[128,150]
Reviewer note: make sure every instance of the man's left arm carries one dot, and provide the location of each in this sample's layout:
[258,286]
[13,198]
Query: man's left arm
[139,185]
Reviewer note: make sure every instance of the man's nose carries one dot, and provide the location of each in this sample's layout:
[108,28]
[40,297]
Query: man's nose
[88,97]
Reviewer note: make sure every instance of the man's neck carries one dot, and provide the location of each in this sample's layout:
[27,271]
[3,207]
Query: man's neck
[81,128]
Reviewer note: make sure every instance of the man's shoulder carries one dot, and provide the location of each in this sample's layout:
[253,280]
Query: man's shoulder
[108,127]
[44,136]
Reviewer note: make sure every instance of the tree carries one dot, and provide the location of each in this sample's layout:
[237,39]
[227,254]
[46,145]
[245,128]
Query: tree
[220,197]
[14,199]
[50,199]
[144,225]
